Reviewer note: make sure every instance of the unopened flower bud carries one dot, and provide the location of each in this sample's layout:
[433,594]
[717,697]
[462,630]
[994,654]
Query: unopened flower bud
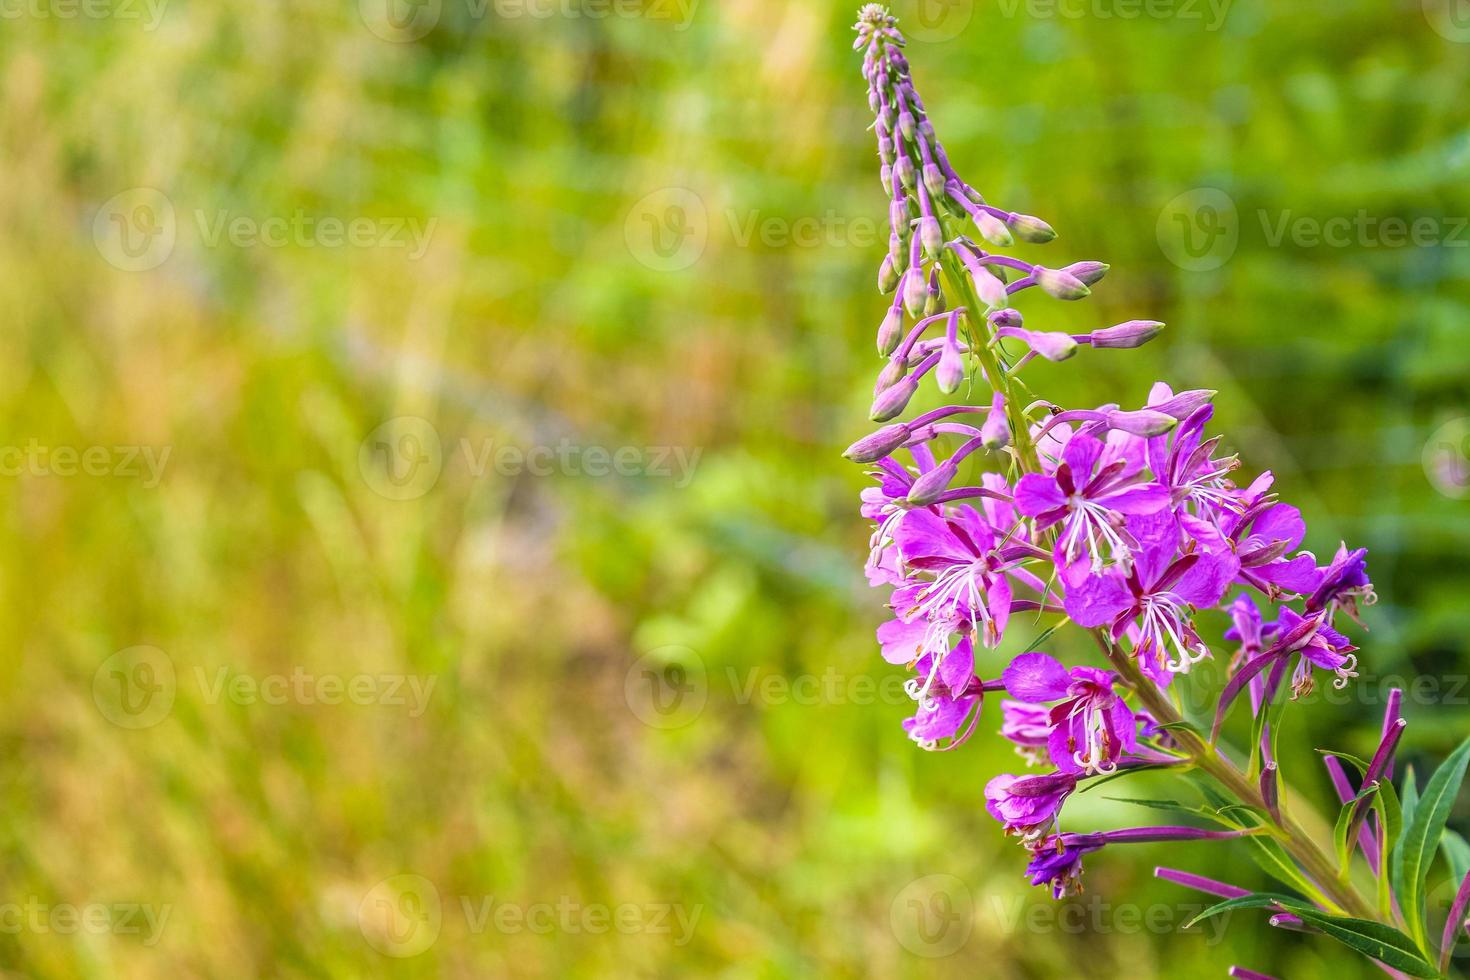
[1030,229]
[906,124]
[875,103]
[1124,336]
[1184,404]
[931,235]
[992,229]
[926,130]
[885,177]
[905,170]
[992,291]
[893,400]
[915,293]
[887,275]
[949,373]
[928,487]
[890,331]
[1008,317]
[996,432]
[934,302]
[872,448]
[1059,284]
[1143,422]
[898,216]
[1087,273]
[893,372]
[1050,345]
[934,180]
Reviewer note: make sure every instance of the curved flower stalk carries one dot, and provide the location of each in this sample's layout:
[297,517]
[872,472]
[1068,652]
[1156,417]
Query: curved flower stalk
[1124,523]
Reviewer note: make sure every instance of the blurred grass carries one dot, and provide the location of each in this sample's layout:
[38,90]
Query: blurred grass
[792,827]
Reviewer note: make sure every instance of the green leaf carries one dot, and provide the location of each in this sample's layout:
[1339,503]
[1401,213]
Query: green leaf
[1344,822]
[1100,780]
[1350,759]
[1272,858]
[1177,807]
[1421,839]
[1390,818]
[1373,939]
[1255,900]
[1456,852]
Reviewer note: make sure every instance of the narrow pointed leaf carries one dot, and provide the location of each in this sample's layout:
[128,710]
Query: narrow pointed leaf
[1421,839]
[1373,939]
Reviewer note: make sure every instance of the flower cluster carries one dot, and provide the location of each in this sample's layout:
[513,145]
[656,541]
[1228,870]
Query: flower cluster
[1126,522]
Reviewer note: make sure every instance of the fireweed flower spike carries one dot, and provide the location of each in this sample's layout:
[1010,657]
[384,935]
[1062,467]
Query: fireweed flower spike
[1128,526]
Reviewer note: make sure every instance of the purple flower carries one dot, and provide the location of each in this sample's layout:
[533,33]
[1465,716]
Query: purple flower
[1059,865]
[1091,727]
[1344,582]
[1320,646]
[1028,805]
[1157,594]
[1262,536]
[1027,726]
[1090,501]
[970,574]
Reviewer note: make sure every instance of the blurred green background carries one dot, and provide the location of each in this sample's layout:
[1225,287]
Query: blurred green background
[453,571]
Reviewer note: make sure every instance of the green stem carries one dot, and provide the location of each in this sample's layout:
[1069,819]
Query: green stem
[1294,838]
